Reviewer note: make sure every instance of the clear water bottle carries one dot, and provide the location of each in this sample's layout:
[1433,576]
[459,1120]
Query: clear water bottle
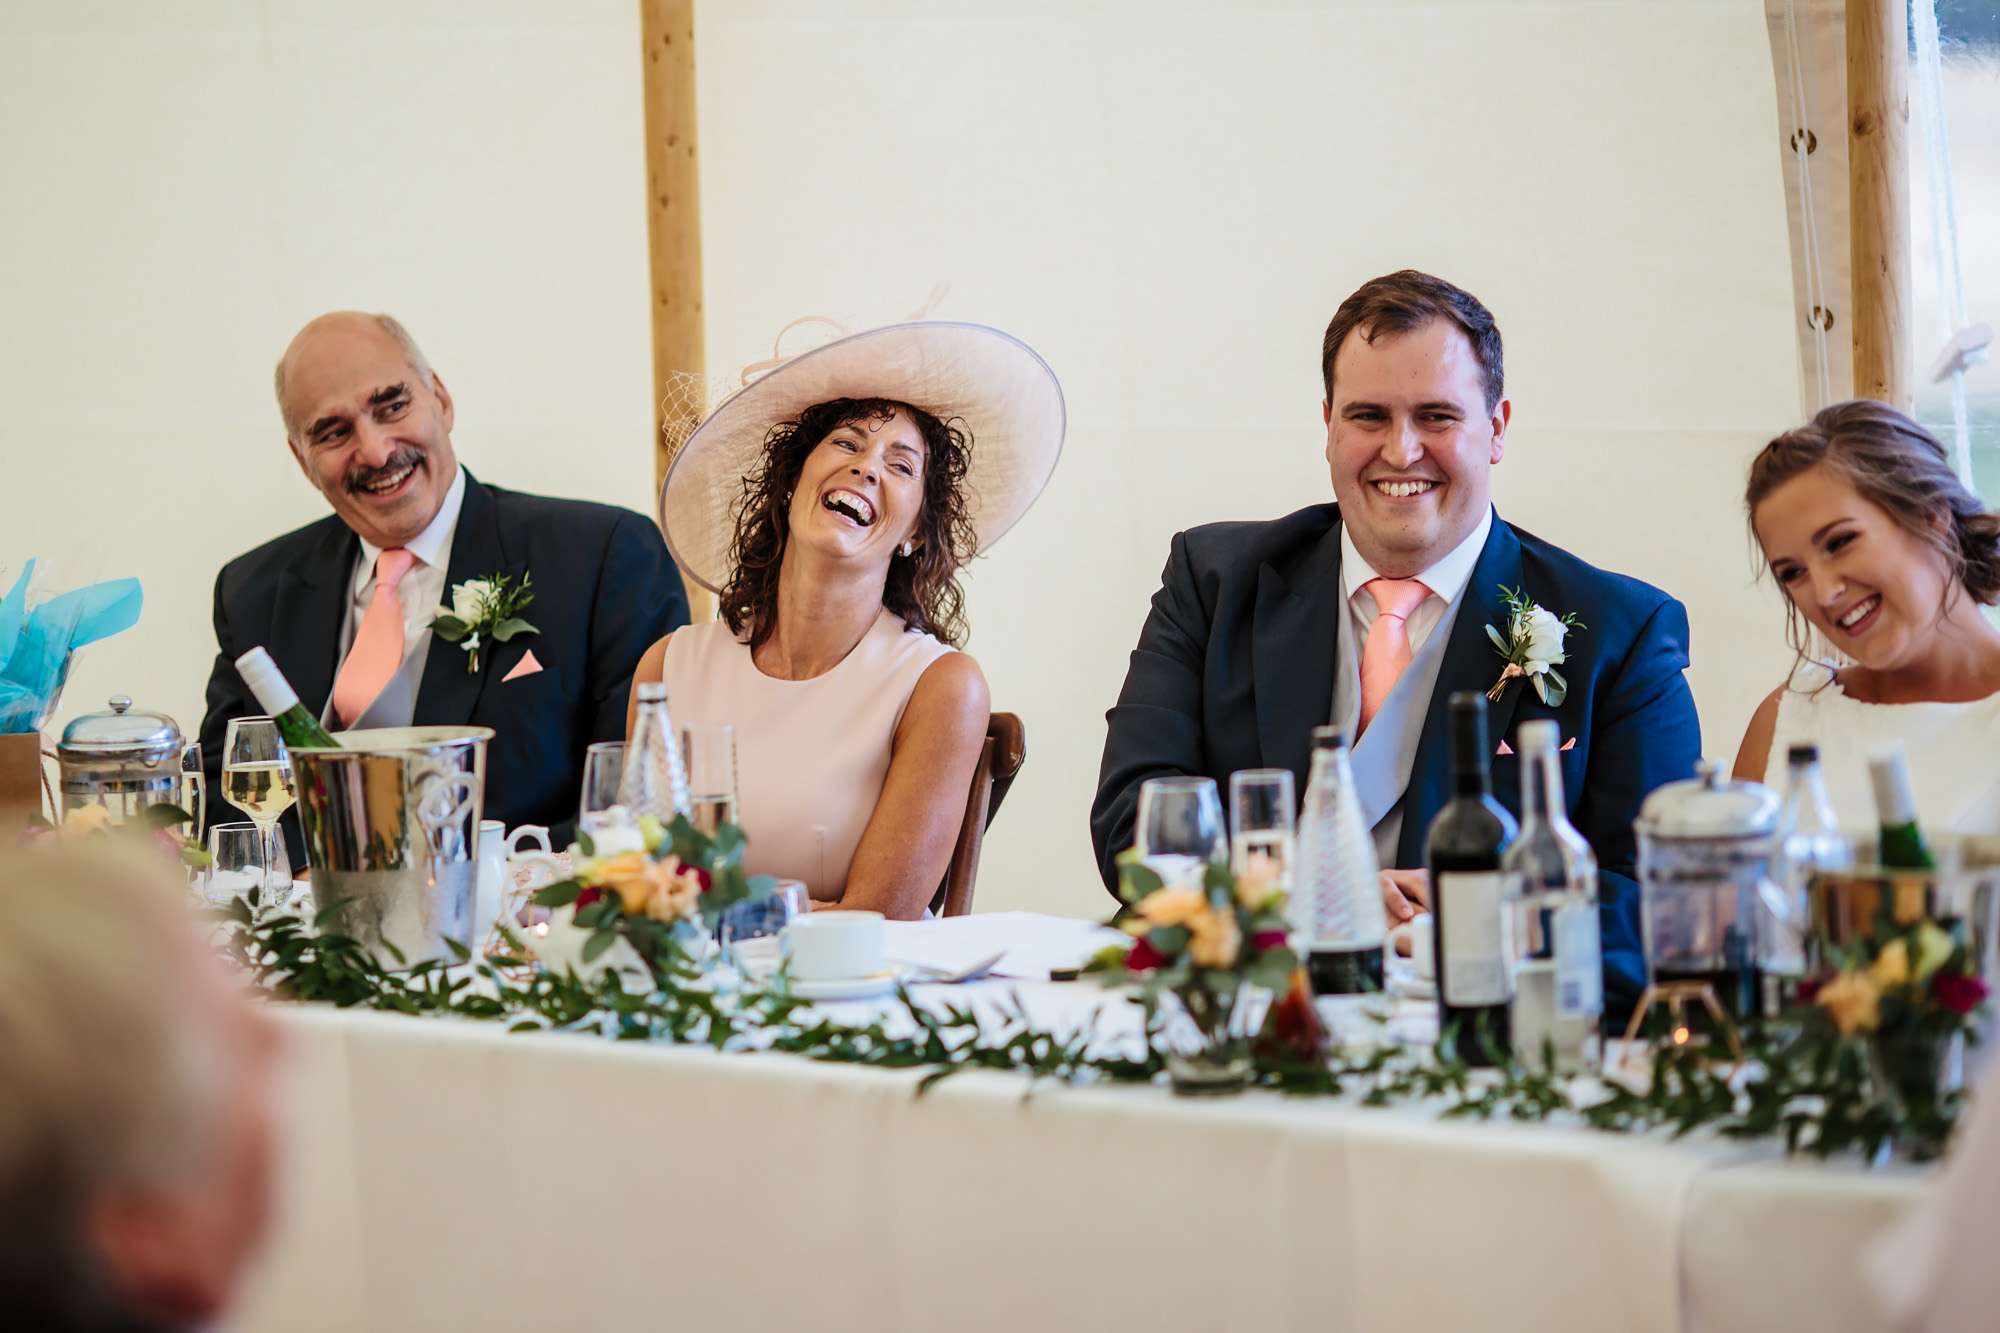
[655,779]
[1559,975]
[1809,840]
[1337,899]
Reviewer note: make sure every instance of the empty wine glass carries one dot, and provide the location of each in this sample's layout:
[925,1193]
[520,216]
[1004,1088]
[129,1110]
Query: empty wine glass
[603,768]
[238,863]
[257,779]
[1180,827]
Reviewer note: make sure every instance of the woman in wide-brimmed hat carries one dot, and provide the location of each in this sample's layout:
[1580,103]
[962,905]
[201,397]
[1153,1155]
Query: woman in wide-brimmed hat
[831,504]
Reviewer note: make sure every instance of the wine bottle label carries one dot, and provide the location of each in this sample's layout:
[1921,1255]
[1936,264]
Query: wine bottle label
[1474,969]
[1579,962]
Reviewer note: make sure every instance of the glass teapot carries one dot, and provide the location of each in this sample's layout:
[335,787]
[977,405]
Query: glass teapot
[1705,865]
[126,761]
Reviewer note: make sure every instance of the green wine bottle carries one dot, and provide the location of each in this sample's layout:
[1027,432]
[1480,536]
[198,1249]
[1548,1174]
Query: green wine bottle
[1903,846]
[298,728]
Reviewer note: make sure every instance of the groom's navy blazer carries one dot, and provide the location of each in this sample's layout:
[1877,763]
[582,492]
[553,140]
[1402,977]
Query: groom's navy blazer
[605,590]
[1235,667]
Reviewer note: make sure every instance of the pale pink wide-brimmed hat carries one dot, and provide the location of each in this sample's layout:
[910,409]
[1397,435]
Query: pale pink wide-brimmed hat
[1005,394]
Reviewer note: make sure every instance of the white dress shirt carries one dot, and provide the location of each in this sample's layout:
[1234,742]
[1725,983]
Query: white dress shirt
[1446,579]
[422,590]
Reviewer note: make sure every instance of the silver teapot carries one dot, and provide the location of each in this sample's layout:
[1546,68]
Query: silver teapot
[1705,877]
[128,760]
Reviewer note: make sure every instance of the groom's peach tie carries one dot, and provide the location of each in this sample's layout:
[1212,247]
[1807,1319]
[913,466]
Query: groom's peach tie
[378,642]
[1387,651]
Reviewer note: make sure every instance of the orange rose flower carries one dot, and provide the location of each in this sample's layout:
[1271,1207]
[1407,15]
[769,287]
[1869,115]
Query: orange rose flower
[633,876]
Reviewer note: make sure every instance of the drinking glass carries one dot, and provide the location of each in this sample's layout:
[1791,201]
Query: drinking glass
[603,769]
[1263,820]
[1180,826]
[257,779]
[238,863]
[765,916]
[709,750]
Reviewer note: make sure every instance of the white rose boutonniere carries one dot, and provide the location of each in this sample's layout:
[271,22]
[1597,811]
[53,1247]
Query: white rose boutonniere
[483,609]
[1532,646]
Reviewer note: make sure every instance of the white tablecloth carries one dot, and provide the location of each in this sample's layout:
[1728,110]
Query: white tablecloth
[447,1174]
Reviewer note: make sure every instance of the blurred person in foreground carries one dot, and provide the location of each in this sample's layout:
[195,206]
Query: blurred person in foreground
[136,1126]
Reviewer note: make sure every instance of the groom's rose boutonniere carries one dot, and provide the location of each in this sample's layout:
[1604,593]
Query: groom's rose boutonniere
[1532,646]
[483,609]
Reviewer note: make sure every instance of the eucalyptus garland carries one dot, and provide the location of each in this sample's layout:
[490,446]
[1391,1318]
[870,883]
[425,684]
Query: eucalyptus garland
[1812,1091]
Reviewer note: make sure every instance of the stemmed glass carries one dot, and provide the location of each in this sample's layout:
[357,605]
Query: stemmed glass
[257,779]
[1180,826]
[603,769]
[238,862]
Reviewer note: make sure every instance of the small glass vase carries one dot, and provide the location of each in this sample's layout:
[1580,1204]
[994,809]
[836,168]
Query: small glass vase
[1208,1040]
[1916,1073]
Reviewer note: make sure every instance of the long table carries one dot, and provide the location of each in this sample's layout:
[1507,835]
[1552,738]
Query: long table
[448,1174]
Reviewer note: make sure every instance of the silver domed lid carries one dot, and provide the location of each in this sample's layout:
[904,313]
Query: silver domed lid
[122,732]
[1710,806]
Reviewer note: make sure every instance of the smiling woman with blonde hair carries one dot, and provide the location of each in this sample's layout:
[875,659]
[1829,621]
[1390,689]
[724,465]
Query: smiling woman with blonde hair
[831,504]
[1877,546]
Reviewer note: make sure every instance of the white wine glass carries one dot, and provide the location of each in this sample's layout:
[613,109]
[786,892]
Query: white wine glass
[1263,821]
[603,769]
[257,779]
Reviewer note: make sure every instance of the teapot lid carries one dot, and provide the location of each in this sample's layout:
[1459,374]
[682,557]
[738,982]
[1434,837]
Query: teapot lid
[122,733]
[1709,805]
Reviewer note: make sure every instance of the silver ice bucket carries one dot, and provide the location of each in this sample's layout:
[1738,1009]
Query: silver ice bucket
[391,823]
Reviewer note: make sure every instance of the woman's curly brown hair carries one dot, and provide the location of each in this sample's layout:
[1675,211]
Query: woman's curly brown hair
[923,586]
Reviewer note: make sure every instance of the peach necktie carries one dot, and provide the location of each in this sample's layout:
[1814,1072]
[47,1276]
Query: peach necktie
[1387,651]
[378,641]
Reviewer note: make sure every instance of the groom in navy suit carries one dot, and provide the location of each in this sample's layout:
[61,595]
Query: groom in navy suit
[1368,613]
[345,605]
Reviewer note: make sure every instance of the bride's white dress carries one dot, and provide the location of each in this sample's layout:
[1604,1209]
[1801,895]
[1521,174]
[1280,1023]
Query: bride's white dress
[1954,752]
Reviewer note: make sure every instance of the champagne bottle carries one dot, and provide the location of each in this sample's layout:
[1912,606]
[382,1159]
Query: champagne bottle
[655,778]
[1337,910]
[1559,983]
[1470,897]
[1903,846]
[298,728]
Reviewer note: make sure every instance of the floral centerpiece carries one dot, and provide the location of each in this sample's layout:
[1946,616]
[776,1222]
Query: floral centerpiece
[661,888]
[1881,1024]
[1205,942]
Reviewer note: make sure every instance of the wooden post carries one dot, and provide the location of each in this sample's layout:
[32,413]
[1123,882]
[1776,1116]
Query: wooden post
[673,218]
[1878,183]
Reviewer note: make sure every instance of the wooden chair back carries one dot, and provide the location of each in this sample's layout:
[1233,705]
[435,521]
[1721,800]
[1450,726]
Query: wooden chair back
[1000,758]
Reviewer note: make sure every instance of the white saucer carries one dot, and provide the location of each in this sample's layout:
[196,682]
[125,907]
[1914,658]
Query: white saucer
[847,988]
[1404,983]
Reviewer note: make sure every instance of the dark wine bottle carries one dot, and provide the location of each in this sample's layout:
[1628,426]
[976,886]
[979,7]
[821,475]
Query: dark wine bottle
[1470,897]
[1903,846]
[296,727]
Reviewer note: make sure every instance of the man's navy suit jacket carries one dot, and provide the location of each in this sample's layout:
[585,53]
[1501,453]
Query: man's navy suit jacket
[605,590]
[1235,667]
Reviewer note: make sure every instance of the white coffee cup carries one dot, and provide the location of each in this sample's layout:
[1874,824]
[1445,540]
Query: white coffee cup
[1420,959]
[835,946]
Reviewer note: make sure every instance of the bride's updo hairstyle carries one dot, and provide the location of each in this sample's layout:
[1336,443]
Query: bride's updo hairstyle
[1906,472]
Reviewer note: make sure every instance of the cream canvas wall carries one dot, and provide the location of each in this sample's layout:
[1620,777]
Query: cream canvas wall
[1168,199]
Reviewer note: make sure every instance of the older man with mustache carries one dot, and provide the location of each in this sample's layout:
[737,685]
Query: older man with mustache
[345,605]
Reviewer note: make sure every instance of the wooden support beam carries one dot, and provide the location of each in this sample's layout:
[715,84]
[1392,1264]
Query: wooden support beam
[673,217]
[1878,182]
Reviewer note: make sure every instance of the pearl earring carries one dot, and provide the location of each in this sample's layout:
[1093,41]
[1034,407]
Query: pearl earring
[905,549]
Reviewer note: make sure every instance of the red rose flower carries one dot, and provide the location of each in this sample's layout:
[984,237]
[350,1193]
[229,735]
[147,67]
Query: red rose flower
[707,880]
[1142,957]
[1808,990]
[587,897]
[1958,992]
[1267,939]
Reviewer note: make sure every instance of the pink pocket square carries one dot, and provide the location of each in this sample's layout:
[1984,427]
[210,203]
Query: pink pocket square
[527,666]
[1505,748]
